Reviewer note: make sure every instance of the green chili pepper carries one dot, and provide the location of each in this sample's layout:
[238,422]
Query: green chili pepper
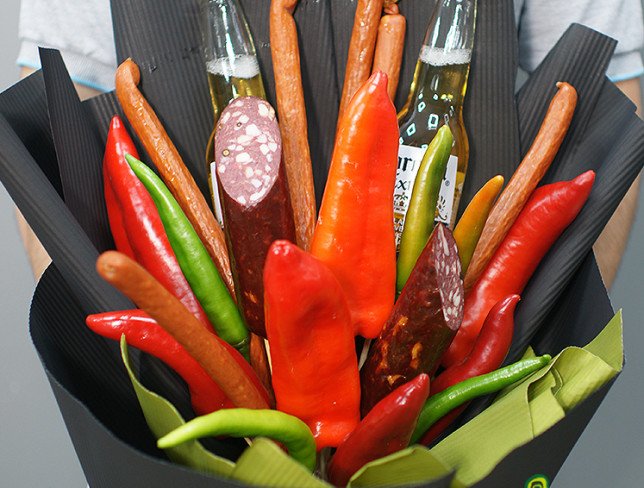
[447,400]
[246,422]
[195,262]
[419,221]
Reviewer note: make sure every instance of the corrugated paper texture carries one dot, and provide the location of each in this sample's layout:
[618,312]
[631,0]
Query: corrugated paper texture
[46,133]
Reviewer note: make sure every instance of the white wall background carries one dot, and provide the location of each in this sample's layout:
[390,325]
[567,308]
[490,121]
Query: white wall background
[35,450]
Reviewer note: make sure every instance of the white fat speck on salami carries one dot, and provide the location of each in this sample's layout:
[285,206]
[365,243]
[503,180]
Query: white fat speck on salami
[247,149]
[450,284]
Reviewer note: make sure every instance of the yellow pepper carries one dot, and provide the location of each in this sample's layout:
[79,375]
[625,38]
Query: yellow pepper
[469,227]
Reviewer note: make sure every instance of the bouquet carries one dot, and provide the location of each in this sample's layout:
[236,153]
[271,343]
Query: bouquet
[564,304]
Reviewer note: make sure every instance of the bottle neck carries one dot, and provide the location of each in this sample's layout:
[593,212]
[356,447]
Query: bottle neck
[442,87]
[443,65]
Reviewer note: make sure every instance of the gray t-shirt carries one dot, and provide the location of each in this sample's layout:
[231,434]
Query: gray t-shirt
[542,22]
[82,30]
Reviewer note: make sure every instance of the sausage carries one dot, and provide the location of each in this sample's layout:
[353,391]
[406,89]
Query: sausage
[292,113]
[390,46]
[254,196]
[259,363]
[361,48]
[423,323]
[524,180]
[148,294]
[173,171]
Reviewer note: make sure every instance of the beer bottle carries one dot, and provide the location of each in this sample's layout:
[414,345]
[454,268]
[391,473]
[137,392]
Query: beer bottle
[436,98]
[232,67]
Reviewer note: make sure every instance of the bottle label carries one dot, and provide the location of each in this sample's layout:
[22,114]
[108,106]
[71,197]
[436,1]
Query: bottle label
[447,192]
[216,203]
[409,159]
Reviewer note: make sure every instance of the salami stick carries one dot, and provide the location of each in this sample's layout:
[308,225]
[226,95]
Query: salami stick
[139,286]
[389,47]
[423,323]
[173,171]
[292,112]
[525,179]
[361,48]
[254,197]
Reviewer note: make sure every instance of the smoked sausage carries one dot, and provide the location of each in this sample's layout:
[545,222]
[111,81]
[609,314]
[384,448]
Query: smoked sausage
[254,195]
[389,47]
[292,114]
[524,180]
[171,167]
[423,323]
[361,48]
[148,294]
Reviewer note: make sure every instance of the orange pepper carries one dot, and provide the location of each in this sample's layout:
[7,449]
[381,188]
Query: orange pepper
[354,235]
[470,225]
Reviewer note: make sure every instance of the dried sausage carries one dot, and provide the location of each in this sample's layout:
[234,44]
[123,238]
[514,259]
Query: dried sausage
[524,180]
[292,113]
[422,324]
[148,294]
[361,48]
[173,171]
[389,47]
[254,196]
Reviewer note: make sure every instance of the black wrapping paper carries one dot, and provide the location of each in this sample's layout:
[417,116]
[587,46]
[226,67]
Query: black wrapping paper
[81,171]
[566,294]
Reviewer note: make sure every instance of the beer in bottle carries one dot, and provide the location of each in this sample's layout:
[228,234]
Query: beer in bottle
[436,98]
[231,63]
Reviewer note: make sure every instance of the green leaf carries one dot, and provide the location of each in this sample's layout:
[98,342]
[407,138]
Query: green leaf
[413,465]
[162,418]
[264,463]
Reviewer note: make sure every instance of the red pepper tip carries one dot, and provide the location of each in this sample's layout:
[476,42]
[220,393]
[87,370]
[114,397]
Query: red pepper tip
[586,178]
[116,122]
[378,80]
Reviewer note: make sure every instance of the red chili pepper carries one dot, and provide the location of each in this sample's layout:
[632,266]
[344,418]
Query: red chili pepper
[143,332]
[118,145]
[488,354]
[309,330]
[549,211]
[133,214]
[354,235]
[386,429]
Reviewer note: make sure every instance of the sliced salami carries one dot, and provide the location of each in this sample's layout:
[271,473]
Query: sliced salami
[254,196]
[422,324]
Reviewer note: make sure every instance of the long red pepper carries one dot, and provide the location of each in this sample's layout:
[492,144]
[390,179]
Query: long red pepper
[143,332]
[386,429]
[549,211]
[118,145]
[489,352]
[308,325]
[354,235]
[141,224]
